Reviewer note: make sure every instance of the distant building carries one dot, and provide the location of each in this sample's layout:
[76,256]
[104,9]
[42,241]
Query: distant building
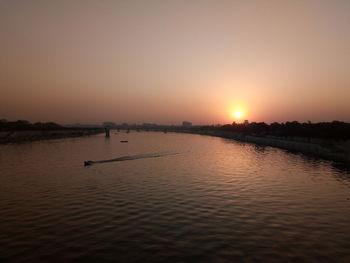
[246,122]
[186,124]
[108,124]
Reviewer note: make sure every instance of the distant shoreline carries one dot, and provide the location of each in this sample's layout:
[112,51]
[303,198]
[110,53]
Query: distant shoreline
[330,149]
[21,136]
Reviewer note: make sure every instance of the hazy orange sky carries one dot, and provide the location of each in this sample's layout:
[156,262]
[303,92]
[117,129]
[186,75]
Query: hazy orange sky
[168,61]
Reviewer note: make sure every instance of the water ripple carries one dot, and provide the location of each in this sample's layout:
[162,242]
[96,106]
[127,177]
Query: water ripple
[221,201]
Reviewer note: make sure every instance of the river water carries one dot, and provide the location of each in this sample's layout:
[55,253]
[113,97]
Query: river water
[187,198]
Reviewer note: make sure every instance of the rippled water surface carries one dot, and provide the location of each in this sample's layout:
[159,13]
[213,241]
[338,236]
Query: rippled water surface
[215,200]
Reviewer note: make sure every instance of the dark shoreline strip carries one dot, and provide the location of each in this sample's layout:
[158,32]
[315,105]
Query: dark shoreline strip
[23,136]
[330,152]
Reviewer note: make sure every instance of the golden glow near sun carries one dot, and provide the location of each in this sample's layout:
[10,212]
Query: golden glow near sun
[238,114]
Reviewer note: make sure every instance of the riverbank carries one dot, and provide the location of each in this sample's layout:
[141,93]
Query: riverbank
[36,135]
[330,149]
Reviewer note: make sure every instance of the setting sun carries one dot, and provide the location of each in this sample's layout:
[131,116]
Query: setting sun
[238,114]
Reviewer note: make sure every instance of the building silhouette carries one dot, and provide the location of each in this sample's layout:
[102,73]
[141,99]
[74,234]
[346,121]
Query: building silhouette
[186,124]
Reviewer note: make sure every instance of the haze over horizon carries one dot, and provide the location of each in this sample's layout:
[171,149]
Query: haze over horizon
[169,61]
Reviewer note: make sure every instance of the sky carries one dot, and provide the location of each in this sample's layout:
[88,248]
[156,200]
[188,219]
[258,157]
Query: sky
[165,61]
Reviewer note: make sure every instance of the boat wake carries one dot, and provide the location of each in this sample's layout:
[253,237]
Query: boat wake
[131,157]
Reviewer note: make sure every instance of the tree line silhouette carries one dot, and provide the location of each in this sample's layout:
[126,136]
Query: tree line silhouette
[331,130]
[22,125]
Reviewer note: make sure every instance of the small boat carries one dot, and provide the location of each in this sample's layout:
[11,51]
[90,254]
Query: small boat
[124,141]
[86,163]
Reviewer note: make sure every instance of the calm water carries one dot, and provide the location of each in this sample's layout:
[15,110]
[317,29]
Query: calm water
[217,200]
